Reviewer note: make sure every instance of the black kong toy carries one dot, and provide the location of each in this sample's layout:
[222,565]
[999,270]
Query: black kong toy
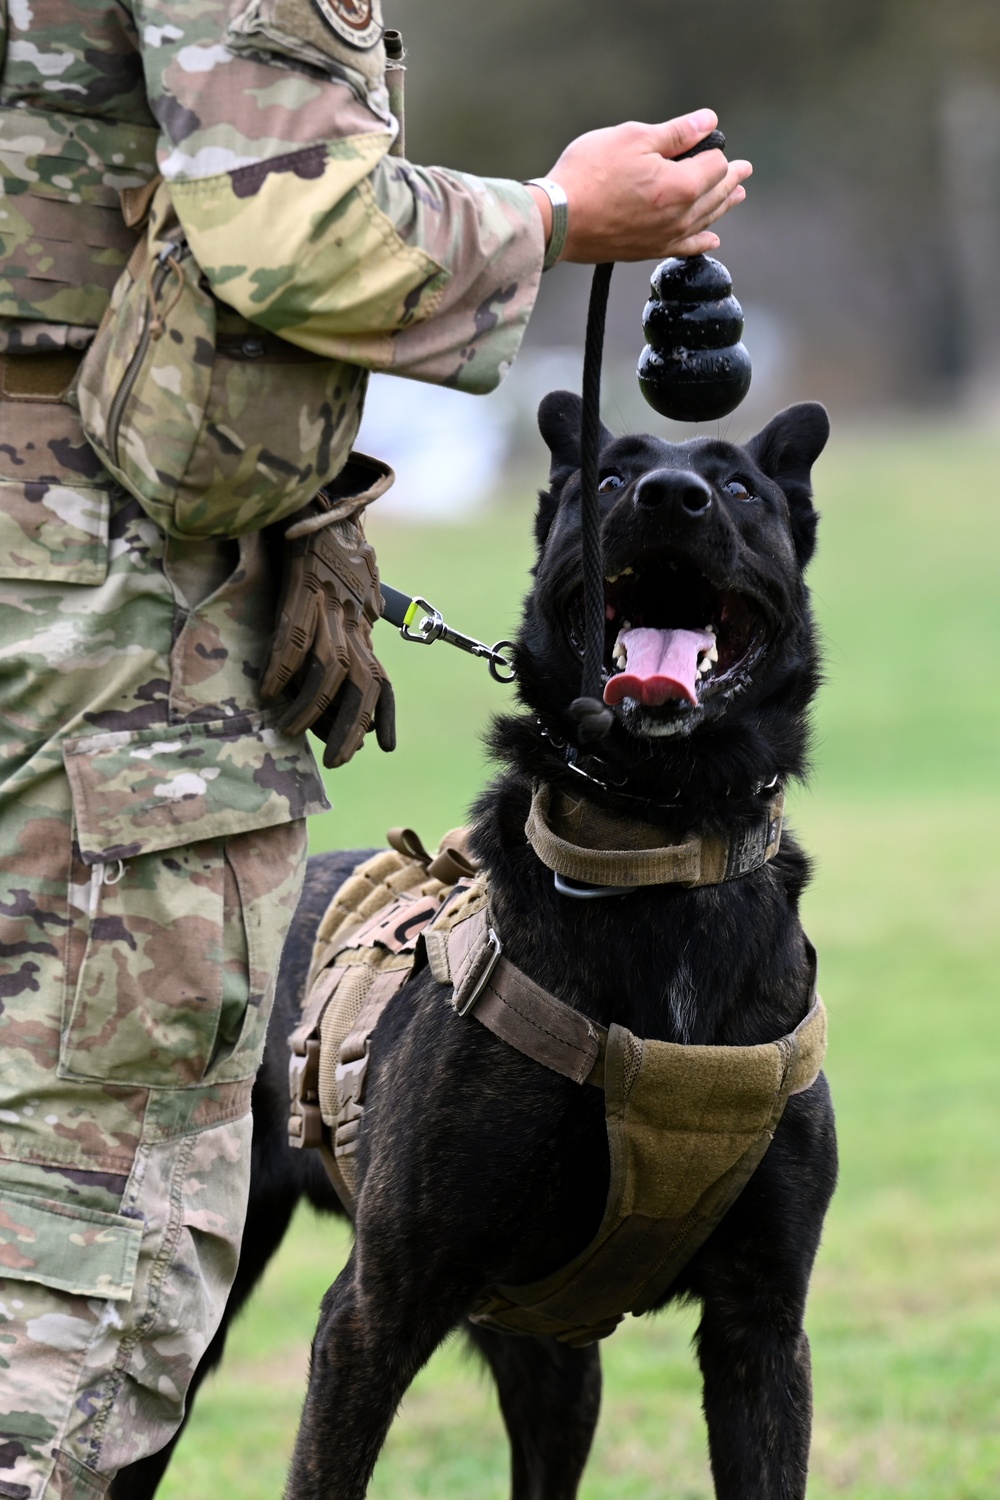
[694,368]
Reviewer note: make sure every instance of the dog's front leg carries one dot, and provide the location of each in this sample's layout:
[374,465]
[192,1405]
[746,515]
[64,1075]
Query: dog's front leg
[758,1401]
[550,1396]
[370,1343]
[753,1278]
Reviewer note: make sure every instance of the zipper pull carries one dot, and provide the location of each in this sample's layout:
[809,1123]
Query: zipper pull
[165,262]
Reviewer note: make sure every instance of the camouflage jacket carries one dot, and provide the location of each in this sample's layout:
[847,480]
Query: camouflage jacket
[270,120]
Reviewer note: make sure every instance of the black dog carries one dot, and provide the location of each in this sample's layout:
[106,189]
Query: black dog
[477,1166]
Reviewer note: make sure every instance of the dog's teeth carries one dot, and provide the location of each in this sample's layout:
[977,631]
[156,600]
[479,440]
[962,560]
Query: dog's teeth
[708,655]
[626,572]
[619,654]
[626,625]
[611,577]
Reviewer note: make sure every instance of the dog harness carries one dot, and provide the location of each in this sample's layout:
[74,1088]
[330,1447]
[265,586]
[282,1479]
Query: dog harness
[687,1125]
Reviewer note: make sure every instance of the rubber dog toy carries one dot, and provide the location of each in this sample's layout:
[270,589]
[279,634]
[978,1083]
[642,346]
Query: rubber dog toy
[694,367]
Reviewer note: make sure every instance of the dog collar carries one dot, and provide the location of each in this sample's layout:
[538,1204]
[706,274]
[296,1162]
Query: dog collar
[618,855]
[592,768]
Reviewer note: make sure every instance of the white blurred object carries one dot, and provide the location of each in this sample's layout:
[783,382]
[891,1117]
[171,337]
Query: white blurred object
[447,448]
[452,452]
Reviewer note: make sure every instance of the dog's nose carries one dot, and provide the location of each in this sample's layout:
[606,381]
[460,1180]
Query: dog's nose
[679,488]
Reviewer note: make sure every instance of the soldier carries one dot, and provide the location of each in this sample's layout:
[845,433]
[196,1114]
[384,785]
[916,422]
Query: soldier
[151,804]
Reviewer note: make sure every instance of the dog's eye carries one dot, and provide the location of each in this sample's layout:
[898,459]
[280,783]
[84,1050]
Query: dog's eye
[738,490]
[610,482]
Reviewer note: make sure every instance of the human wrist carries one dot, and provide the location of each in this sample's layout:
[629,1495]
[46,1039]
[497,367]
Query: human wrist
[553,206]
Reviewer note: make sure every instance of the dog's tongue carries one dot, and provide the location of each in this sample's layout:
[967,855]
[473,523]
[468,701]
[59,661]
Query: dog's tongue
[661,665]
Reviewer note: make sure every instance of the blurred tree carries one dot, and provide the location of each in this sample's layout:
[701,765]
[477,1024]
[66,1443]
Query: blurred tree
[874,127]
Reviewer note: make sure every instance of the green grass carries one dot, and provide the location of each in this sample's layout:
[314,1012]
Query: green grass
[903,816]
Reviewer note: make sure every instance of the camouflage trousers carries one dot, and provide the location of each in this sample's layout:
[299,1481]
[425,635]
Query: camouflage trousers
[151,851]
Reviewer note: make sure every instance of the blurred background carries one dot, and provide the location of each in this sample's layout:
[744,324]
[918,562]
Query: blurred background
[866,257]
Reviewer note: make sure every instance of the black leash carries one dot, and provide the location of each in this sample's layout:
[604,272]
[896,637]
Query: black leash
[593,718]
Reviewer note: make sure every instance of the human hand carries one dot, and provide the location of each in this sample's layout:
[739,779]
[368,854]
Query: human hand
[322,646]
[629,201]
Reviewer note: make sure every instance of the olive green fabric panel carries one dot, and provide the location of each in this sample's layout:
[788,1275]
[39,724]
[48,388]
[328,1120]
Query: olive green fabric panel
[687,1126]
[680,1118]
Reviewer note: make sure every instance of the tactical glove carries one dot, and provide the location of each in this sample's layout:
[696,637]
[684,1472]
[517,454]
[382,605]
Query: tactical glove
[322,646]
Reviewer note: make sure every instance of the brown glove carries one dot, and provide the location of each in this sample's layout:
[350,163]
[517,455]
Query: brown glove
[322,646]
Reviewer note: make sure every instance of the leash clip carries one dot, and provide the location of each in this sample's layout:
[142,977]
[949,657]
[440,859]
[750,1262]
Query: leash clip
[422,624]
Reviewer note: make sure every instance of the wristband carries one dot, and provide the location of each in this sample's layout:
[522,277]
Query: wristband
[560,218]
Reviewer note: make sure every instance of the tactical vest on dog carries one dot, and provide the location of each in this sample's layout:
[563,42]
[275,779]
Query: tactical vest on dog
[686,1125]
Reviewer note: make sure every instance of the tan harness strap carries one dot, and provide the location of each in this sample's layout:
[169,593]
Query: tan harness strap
[582,849]
[527,1017]
[519,1011]
[687,1126]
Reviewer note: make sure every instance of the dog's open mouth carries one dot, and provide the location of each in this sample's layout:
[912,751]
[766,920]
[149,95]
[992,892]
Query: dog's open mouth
[672,640]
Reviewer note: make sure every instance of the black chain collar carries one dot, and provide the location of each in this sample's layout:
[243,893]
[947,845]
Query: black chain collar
[597,771]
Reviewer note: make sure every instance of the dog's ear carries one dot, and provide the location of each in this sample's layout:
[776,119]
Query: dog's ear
[560,419]
[786,450]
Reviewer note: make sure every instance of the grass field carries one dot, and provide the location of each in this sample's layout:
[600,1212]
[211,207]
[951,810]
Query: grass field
[903,816]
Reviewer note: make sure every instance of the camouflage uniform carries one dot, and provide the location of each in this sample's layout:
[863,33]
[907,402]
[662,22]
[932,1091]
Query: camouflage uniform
[151,834]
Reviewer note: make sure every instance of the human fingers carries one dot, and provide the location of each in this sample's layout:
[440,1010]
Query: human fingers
[702,183]
[704,243]
[671,137]
[329,664]
[717,209]
[294,631]
[703,213]
[626,201]
[713,204]
[702,240]
[341,729]
[353,710]
[385,717]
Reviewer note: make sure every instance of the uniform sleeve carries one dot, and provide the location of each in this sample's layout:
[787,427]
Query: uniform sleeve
[276,155]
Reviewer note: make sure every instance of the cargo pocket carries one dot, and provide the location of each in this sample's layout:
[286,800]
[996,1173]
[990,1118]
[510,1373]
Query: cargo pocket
[83,1251]
[146,1003]
[160,994]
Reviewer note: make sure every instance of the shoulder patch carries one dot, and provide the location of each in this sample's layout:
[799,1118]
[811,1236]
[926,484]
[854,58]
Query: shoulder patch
[355,21]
